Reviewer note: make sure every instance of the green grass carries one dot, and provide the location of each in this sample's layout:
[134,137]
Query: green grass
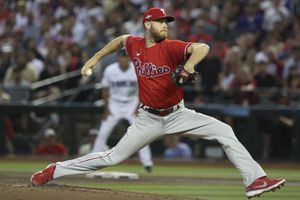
[159,170]
[204,190]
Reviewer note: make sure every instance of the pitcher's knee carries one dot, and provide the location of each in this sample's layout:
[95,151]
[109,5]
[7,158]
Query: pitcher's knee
[225,129]
[115,161]
[228,129]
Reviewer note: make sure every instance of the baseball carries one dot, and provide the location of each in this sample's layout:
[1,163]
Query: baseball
[89,72]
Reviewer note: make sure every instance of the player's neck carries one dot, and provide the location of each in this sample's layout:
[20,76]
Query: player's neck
[149,42]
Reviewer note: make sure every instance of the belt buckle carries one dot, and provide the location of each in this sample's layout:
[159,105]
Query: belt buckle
[166,112]
[163,113]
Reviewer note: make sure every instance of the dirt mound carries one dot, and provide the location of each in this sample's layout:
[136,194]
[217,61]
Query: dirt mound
[58,192]
[16,186]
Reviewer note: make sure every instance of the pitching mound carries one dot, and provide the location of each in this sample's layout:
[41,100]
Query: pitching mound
[58,192]
[14,186]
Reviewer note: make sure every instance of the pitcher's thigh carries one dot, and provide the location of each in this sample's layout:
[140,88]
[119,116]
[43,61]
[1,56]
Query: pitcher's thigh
[204,126]
[131,142]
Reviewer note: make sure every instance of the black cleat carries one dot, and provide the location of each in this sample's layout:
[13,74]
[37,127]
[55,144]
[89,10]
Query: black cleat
[148,169]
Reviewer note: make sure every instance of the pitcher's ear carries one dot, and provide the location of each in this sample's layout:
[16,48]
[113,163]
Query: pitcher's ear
[147,25]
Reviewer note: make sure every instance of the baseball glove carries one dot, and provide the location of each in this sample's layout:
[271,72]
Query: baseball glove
[181,77]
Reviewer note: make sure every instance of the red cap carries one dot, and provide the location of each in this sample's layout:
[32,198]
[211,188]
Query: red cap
[154,14]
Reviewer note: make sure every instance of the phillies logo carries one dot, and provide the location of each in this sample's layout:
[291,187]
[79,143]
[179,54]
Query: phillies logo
[149,70]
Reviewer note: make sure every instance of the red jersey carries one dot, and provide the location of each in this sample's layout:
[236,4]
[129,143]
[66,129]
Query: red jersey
[153,67]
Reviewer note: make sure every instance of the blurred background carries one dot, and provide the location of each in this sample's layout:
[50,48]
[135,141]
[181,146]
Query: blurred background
[250,78]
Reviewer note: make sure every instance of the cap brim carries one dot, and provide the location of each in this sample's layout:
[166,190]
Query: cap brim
[168,18]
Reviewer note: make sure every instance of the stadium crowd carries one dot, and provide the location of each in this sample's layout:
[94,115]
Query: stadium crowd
[255,44]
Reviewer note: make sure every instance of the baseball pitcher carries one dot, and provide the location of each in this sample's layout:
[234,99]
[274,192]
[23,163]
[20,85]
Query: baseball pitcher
[157,61]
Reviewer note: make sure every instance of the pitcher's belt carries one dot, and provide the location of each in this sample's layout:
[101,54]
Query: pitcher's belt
[160,112]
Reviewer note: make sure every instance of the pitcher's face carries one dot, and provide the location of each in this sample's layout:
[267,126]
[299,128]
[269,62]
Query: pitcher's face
[159,30]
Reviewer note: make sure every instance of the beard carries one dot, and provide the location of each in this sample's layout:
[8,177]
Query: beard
[158,36]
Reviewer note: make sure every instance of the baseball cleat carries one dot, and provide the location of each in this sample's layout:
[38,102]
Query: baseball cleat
[148,169]
[262,185]
[42,177]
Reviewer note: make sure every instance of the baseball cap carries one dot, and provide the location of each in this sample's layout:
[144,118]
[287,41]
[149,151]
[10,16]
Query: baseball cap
[6,48]
[154,14]
[261,58]
[49,132]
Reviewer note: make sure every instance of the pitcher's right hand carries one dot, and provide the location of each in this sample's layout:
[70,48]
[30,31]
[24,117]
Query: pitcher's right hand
[90,64]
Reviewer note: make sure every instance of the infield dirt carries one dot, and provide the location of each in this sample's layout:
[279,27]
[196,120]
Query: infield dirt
[16,186]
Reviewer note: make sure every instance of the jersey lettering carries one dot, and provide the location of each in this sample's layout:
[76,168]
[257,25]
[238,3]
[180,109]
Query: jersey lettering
[149,70]
[123,84]
[153,67]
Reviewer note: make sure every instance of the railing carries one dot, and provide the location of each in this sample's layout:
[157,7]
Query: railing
[65,93]
[55,79]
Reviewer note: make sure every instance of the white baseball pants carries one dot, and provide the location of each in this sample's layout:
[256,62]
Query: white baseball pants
[147,127]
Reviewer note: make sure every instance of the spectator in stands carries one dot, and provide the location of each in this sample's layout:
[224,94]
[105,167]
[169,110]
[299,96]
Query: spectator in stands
[264,56]
[101,28]
[234,59]
[266,83]
[199,34]
[263,78]
[31,45]
[176,149]
[5,16]
[274,11]
[251,19]
[276,63]
[226,23]
[50,145]
[35,64]
[6,59]
[93,44]
[243,86]
[17,80]
[134,25]
[20,19]
[51,70]
[22,69]
[31,30]
[293,60]
[75,61]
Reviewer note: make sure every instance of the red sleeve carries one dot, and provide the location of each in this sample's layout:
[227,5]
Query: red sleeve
[128,45]
[178,49]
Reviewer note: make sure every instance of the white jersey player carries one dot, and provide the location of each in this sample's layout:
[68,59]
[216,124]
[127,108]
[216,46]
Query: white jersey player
[120,94]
